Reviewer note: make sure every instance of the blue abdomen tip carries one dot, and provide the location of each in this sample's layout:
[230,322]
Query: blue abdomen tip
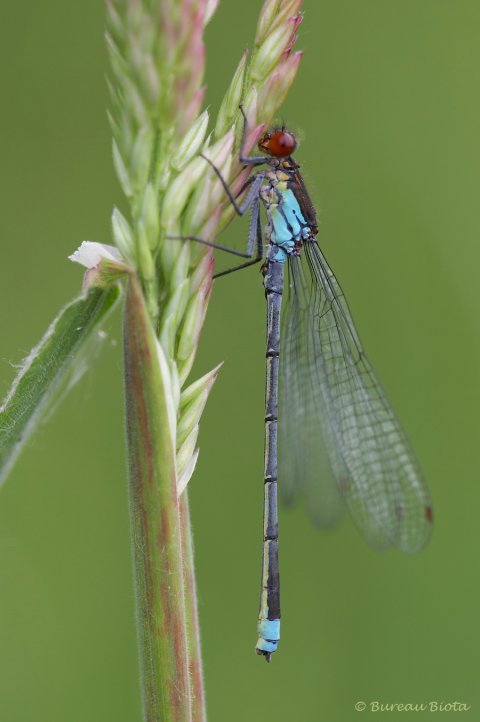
[266,648]
[269,630]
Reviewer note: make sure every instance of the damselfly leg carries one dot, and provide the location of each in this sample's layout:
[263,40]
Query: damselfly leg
[255,249]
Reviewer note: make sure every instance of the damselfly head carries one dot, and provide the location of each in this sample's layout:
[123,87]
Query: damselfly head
[278,143]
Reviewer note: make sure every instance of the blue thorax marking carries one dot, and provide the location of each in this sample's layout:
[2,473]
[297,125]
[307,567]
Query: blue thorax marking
[288,225]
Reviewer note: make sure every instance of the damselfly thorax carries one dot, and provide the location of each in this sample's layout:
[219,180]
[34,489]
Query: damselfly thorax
[291,218]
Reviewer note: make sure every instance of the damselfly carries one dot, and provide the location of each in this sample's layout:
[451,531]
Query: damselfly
[338,439]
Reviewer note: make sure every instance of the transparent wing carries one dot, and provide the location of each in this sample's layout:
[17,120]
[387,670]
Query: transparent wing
[309,462]
[375,469]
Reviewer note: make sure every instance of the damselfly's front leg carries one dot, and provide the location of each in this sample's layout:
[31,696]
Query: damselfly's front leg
[245,159]
[252,200]
[256,180]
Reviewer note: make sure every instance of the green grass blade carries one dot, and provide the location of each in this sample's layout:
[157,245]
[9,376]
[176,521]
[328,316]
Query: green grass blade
[45,369]
[195,662]
[155,518]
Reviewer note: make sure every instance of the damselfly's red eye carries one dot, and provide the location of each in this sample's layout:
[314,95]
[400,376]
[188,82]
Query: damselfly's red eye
[280,143]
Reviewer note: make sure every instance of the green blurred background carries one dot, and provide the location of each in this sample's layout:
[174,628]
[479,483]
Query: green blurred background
[388,102]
